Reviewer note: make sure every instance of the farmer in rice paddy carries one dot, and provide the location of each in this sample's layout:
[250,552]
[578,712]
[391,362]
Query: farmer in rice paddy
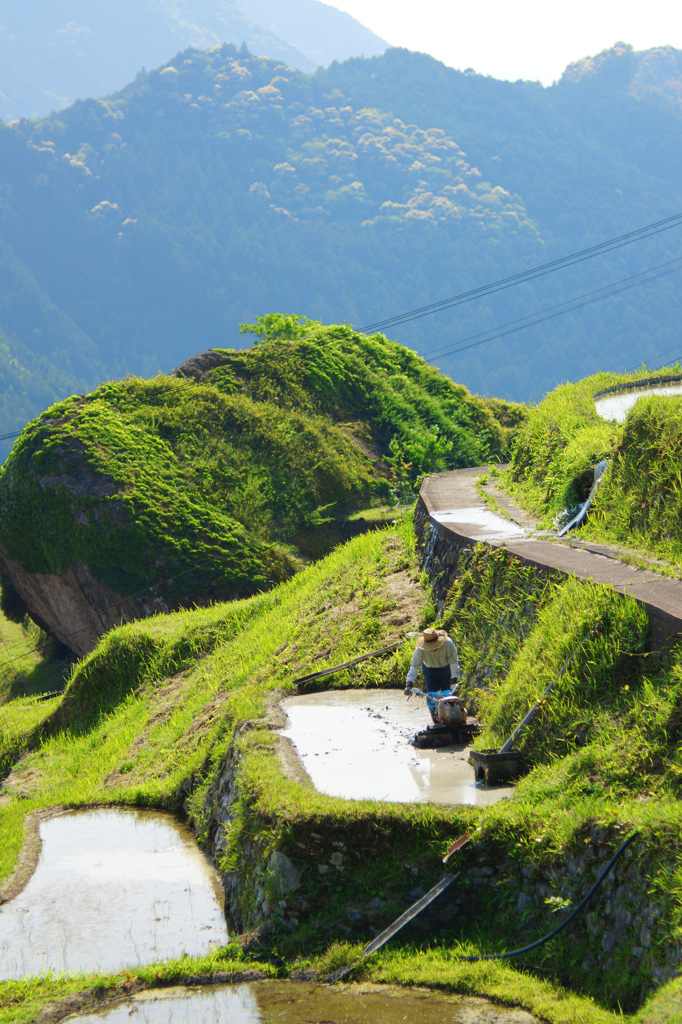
[436,655]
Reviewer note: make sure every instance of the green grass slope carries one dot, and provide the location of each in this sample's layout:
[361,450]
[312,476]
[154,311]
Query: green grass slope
[158,702]
[602,759]
[639,502]
[148,718]
[189,484]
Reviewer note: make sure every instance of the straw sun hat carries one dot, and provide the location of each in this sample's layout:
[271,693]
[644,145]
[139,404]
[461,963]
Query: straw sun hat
[431,639]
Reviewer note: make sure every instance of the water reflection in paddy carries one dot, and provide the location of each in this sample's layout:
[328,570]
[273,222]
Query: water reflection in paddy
[112,888]
[617,406]
[290,1003]
[355,744]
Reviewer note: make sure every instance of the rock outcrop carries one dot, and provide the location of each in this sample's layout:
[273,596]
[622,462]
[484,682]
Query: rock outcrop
[75,607]
[103,521]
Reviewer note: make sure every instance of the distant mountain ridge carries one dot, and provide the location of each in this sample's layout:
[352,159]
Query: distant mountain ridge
[222,186]
[656,70]
[53,52]
[320,32]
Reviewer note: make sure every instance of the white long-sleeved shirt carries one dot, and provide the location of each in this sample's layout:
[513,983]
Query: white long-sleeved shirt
[442,656]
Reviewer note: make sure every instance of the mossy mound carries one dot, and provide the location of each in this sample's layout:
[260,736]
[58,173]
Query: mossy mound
[127,481]
[183,488]
[406,411]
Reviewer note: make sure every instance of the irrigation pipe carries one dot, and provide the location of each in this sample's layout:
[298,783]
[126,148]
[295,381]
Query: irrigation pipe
[394,928]
[541,942]
[349,664]
[599,471]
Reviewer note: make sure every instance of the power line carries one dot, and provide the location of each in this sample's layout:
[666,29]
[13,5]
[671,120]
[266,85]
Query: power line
[667,362]
[659,355]
[569,306]
[542,316]
[609,245]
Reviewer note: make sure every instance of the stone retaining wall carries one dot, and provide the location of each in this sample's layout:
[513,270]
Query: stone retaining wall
[442,553]
[618,928]
[437,553]
[624,927]
[623,924]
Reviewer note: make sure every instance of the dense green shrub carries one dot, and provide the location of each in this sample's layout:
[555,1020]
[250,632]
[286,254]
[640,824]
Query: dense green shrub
[416,415]
[639,501]
[195,481]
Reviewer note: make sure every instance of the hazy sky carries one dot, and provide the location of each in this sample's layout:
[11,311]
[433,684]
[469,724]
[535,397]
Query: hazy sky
[533,39]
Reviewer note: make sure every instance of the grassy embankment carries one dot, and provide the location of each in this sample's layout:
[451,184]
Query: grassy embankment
[639,503]
[603,752]
[158,700]
[31,662]
[158,703]
[213,488]
[628,753]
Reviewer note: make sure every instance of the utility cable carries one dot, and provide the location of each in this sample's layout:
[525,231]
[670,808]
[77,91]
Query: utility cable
[609,245]
[571,305]
[659,355]
[666,362]
[528,319]
[581,905]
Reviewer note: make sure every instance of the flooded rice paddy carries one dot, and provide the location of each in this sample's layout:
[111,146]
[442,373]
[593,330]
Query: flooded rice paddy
[355,744]
[113,888]
[616,407]
[291,1003]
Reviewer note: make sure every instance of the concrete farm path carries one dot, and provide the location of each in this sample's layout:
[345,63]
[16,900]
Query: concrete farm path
[458,512]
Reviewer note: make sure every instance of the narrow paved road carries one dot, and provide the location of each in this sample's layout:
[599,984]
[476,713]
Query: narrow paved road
[456,507]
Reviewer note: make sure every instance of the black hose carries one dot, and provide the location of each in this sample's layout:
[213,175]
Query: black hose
[541,942]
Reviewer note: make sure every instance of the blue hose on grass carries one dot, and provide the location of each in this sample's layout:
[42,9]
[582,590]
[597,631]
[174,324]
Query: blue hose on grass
[541,942]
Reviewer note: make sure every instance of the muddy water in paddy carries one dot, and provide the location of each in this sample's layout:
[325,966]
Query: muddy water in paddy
[112,888]
[291,1003]
[355,744]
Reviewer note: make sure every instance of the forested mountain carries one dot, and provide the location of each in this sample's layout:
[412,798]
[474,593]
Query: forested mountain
[53,52]
[139,229]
